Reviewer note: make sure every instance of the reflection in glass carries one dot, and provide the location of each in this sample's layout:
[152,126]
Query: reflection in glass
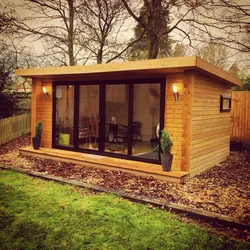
[88,117]
[116,118]
[64,115]
[146,117]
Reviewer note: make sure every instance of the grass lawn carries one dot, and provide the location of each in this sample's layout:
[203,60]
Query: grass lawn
[37,214]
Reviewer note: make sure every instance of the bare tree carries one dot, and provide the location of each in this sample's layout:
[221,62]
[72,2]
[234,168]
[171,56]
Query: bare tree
[54,23]
[166,18]
[179,49]
[153,19]
[6,19]
[75,31]
[105,26]
[6,67]
[216,54]
[224,22]
[100,19]
[11,57]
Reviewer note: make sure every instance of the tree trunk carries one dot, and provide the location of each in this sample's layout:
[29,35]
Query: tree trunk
[99,55]
[71,33]
[153,47]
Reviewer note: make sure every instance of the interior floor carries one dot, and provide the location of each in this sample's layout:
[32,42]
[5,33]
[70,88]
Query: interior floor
[142,150]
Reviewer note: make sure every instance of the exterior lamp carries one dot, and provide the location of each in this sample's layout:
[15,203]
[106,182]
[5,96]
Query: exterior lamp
[175,92]
[45,92]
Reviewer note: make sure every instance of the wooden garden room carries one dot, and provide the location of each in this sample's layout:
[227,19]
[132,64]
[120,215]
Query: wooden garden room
[117,110]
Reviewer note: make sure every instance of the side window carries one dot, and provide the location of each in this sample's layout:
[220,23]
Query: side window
[225,103]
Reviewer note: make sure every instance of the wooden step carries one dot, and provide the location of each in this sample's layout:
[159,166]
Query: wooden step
[104,162]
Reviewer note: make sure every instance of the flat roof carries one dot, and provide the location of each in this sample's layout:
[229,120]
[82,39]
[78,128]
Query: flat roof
[131,69]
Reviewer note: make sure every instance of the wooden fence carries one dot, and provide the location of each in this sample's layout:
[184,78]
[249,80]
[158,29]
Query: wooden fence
[240,116]
[14,127]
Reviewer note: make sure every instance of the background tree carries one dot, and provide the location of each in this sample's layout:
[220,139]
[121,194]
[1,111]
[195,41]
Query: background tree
[103,25]
[223,22]
[54,24]
[246,84]
[216,54]
[228,24]
[11,56]
[80,31]
[153,21]
[179,50]
[7,65]
[74,31]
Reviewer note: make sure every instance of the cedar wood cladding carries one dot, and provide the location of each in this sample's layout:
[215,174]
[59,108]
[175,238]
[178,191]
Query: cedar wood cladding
[173,116]
[42,110]
[210,135]
[178,118]
[204,138]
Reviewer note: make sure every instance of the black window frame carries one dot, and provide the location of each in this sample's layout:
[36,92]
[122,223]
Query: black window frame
[222,98]
[102,101]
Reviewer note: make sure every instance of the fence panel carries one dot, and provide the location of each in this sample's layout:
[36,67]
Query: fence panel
[240,116]
[14,127]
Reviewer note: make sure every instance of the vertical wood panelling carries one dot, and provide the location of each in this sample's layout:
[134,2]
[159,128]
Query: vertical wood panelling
[42,110]
[187,120]
[240,116]
[210,128]
[33,107]
[174,116]
[47,115]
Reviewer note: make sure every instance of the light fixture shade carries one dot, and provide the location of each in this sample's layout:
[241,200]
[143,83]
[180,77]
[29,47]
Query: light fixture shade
[45,92]
[44,89]
[175,88]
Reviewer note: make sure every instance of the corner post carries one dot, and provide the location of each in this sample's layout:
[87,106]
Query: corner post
[187,121]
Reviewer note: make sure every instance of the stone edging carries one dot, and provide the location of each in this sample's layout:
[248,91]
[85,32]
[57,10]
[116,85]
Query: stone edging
[178,208]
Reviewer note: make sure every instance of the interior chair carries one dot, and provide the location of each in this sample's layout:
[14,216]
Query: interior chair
[113,130]
[136,132]
[93,128]
[84,131]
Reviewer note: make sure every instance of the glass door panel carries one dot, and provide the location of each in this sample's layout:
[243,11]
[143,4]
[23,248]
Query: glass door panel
[146,120]
[116,124]
[88,127]
[64,132]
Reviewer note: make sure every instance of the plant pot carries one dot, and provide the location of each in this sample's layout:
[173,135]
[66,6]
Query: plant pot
[36,141]
[166,161]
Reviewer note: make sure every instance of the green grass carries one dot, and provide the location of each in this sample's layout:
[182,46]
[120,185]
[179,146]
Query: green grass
[37,214]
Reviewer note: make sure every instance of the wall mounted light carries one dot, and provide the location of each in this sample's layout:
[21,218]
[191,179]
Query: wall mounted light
[45,92]
[175,90]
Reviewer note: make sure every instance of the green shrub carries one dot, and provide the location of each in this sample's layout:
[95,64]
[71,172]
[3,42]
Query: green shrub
[39,129]
[166,142]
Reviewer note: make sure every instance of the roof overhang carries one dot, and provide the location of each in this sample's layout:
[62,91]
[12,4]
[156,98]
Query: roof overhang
[128,70]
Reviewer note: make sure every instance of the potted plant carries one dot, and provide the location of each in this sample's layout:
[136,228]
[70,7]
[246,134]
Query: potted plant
[166,146]
[36,140]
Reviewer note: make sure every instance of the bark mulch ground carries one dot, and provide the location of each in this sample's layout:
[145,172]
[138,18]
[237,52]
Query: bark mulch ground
[223,189]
